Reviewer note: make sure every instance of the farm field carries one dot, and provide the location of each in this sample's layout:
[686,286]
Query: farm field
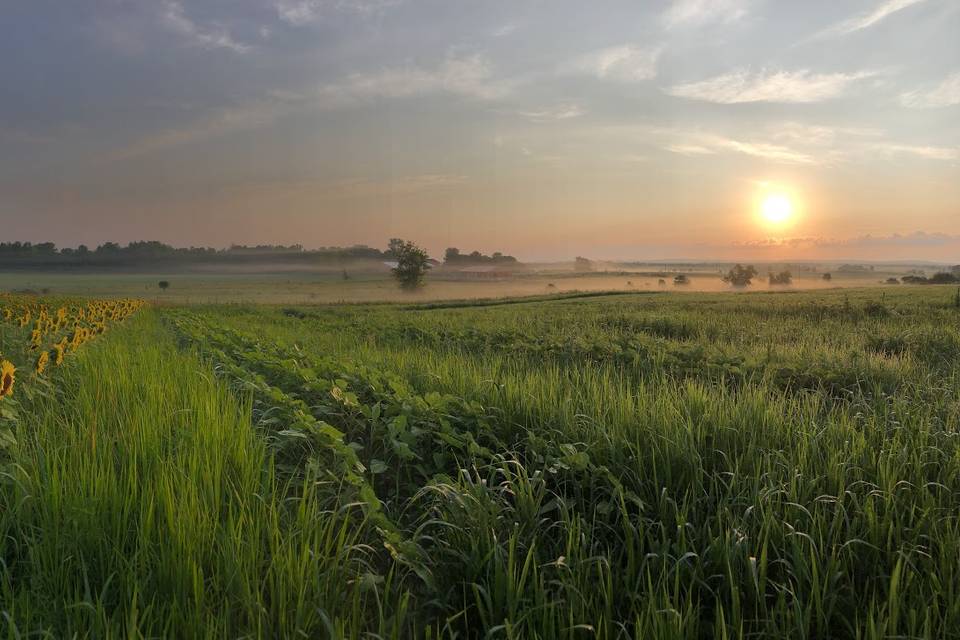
[327,286]
[633,465]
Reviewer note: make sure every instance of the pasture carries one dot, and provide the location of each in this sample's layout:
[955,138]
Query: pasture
[278,284]
[631,465]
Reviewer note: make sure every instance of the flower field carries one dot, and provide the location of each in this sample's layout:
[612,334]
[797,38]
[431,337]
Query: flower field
[625,466]
[36,334]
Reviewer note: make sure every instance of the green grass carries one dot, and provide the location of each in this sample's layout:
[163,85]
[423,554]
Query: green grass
[138,502]
[632,466]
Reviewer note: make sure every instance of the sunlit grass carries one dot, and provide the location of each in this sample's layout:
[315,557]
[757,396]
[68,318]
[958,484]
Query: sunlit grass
[651,466]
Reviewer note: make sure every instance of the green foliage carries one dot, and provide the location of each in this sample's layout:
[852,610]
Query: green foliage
[781,279]
[740,276]
[412,264]
[635,466]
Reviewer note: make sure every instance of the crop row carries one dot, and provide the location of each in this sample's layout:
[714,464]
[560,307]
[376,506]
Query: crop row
[715,503]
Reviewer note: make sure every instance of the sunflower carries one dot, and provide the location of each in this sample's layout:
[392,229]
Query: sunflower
[42,362]
[58,359]
[7,377]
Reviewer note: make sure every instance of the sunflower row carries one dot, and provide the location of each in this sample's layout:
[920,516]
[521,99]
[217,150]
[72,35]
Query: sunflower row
[56,330]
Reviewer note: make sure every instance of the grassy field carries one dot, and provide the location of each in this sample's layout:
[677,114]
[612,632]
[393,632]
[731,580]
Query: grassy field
[274,285]
[646,465]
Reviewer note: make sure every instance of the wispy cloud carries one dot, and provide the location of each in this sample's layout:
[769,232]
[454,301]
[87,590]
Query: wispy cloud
[303,12]
[931,153]
[470,76]
[691,149]
[869,19]
[225,121]
[695,144]
[564,111]
[947,94]
[698,12]
[818,135]
[175,18]
[915,239]
[741,86]
[625,63]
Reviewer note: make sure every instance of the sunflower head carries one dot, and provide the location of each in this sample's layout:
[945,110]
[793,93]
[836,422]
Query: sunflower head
[42,362]
[7,377]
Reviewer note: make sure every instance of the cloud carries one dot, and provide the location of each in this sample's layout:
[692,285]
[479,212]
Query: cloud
[947,94]
[625,63]
[694,144]
[799,132]
[867,20]
[915,239]
[553,114]
[742,86]
[303,12]
[175,19]
[470,76]
[229,120]
[697,12]
[690,149]
[931,153]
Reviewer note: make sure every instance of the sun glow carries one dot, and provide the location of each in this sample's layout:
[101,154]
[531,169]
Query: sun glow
[777,209]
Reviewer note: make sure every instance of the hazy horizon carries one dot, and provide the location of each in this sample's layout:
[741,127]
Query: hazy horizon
[634,131]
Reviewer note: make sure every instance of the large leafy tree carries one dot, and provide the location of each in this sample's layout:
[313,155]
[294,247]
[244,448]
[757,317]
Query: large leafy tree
[412,264]
[740,276]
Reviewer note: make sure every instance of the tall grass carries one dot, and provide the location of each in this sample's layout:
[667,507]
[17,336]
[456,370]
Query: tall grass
[656,466]
[139,503]
[689,466]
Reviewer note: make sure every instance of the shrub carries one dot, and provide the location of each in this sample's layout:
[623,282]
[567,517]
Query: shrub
[782,278]
[740,276]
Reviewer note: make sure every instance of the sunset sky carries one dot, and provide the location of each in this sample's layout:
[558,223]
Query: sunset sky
[544,128]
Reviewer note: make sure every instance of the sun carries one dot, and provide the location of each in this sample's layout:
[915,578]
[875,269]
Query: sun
[777,209]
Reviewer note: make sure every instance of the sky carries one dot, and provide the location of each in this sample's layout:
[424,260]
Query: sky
[614,129]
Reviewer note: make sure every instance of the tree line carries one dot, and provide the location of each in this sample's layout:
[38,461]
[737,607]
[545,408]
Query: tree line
[151,253]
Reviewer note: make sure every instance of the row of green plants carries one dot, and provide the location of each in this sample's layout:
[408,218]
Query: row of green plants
[514,491]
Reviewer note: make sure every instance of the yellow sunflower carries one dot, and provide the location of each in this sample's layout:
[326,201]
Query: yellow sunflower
[42,362]
[7,377]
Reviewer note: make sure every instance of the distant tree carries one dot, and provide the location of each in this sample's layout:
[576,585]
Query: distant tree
[412,264]
[827,276]
[164,285]
[451,255]
[681,280]
[582,264]
[892,281]
[782,278]
[740,276]
[943,277]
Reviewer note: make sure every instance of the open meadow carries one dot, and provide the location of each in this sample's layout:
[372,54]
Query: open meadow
[281,284]
[628,465]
